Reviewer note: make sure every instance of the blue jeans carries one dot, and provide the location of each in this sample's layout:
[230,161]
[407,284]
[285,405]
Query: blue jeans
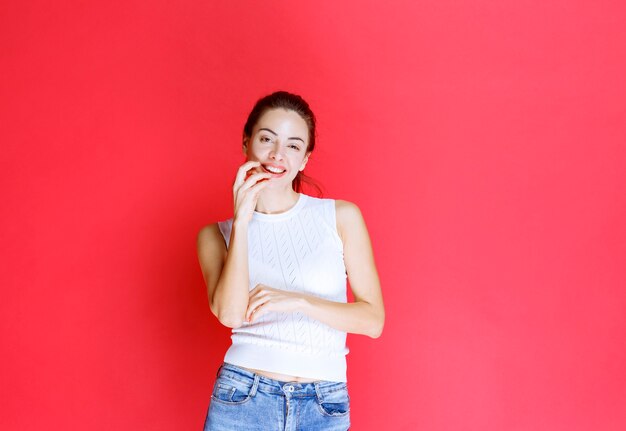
[243,400]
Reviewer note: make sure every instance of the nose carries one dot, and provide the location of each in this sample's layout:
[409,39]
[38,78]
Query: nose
[276,153]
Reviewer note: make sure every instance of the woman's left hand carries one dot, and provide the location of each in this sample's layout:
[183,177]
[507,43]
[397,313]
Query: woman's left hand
[264,299]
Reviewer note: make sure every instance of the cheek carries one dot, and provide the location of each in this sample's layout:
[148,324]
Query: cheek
[301,162]
[250,155]
[253,153]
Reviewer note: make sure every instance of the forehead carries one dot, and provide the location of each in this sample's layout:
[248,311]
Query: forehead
[283,122]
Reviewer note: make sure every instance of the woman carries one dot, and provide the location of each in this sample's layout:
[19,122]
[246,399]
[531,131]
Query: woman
[276,273]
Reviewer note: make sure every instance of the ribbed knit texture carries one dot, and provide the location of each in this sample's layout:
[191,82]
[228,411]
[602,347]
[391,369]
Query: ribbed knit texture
[297,250]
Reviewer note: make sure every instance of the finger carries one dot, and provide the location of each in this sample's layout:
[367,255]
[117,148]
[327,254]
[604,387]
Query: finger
[256,189]
[256,303]
[250,312]
[253,317]
[243,170]
[253,180]
[259,311]
[256,289]
[250,183]
[260,291]
[255,298]
[251,307]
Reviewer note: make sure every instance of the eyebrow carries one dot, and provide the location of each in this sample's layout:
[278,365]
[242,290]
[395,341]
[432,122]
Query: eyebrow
[276,134]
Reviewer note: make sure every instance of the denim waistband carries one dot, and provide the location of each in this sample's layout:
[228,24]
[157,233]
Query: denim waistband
[268,385]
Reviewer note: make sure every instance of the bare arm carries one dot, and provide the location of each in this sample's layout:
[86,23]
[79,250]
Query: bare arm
[366,315]
[225,271]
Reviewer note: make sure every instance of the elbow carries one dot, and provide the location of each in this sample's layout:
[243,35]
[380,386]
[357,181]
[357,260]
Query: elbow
[229,320]
[233,323]
[377,329]
[376,332]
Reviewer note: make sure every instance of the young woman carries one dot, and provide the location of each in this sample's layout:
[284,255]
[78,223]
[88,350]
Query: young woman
[276,274]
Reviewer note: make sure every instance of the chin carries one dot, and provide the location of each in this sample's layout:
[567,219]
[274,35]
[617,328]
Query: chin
[278,184]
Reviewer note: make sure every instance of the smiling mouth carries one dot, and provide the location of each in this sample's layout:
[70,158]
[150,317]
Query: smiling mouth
[273,170]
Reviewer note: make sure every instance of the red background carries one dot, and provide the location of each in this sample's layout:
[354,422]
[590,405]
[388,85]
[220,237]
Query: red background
[483,141]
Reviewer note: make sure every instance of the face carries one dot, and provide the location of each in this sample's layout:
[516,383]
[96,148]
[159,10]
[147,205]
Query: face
[279,141]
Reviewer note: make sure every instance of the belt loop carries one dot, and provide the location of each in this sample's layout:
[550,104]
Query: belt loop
[255,385]
[318,391]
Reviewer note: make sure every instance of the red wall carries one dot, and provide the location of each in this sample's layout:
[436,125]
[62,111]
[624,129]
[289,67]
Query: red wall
[483,140]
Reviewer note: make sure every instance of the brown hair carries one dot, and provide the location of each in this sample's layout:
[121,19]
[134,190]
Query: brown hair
[289,102]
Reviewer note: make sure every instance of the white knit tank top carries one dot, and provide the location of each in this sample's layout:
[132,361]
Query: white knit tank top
[297,250]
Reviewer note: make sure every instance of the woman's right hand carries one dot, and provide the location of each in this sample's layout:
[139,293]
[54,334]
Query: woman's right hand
[246,190]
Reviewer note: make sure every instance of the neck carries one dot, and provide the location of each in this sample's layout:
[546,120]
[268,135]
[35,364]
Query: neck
[276,201]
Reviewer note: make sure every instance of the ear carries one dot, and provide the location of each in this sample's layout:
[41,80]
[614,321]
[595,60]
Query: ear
[245,145]
[304,162]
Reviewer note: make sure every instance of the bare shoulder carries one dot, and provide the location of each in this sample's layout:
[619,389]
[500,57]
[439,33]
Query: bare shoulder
[210,237]
[346,210]
[349,218]
[212,252]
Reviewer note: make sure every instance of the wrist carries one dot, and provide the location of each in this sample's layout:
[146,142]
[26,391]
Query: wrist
[240,223]
[304,304]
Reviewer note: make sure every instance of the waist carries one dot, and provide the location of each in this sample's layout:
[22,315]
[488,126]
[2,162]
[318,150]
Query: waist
[281,377]
[270,385]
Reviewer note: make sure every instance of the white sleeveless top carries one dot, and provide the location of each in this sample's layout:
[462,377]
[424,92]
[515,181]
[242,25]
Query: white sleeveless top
[297,250]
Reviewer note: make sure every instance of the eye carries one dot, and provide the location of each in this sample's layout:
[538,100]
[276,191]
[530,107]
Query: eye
[265,139]
[294,146]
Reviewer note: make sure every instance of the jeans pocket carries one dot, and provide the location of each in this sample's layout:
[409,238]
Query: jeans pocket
[335,403]
[230,391]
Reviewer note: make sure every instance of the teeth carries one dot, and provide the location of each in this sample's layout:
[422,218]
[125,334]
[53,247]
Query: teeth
[274,170]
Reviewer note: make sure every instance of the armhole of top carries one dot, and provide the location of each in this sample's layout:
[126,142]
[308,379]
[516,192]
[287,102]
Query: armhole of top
[225,228]
[333,219]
